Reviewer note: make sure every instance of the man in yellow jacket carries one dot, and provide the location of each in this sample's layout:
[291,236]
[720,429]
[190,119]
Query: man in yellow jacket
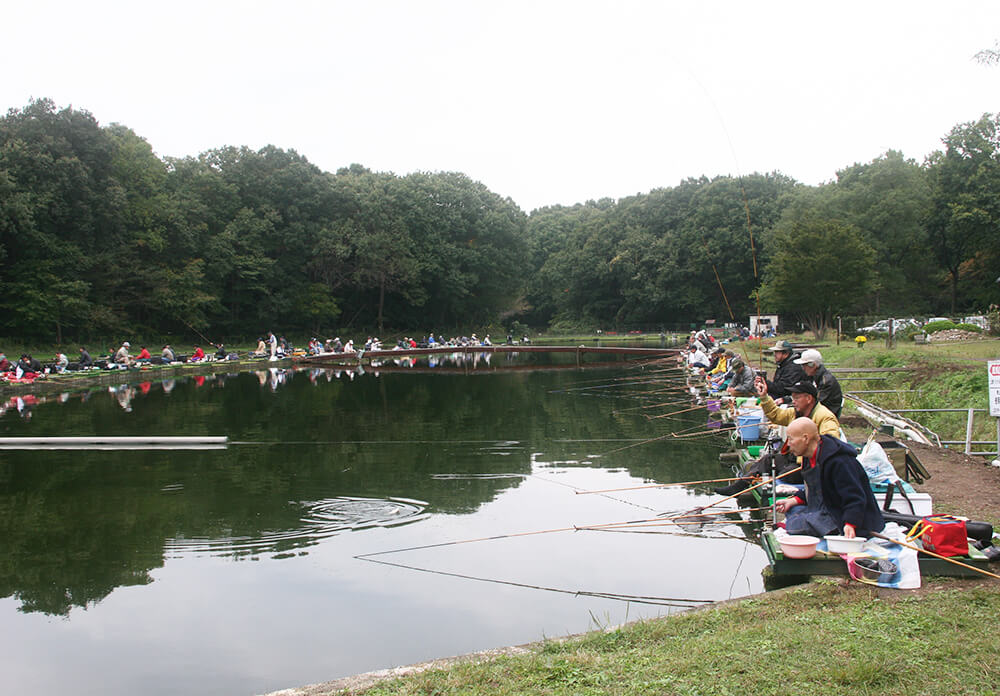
[805,403]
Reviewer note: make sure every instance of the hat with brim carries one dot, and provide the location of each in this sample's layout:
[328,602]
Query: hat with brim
[810,356]
[781,345]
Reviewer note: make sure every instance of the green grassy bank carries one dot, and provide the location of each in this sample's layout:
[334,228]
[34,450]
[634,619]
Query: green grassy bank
[821,638]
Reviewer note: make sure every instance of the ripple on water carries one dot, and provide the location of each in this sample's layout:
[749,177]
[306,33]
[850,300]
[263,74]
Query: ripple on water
[320,519]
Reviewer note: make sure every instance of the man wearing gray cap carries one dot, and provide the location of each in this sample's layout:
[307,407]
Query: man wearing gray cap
[830,394]
[786,373]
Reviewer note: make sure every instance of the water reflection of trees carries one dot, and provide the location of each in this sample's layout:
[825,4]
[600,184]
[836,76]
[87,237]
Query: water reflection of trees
[75,525]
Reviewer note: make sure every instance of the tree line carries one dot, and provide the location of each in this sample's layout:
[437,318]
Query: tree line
[100,237]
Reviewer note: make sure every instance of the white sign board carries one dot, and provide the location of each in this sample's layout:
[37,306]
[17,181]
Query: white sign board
[994,371]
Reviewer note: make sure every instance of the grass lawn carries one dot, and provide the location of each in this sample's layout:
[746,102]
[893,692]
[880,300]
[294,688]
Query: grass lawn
[821,638]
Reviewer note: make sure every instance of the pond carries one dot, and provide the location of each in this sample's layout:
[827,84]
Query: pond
[356,520]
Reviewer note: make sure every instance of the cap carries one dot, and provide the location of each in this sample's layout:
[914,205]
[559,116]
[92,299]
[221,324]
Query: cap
[803,386]
[127,344]
[782,345]
[736,364]
[810,356]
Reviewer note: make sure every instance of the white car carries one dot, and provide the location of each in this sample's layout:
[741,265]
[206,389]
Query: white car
[978,320]
[883,326]
[933,319]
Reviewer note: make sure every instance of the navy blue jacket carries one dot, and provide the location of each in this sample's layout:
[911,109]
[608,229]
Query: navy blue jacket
[846,490]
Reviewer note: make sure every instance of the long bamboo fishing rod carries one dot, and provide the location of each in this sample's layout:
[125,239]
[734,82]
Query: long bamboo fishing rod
[756,485]
[635,444]
[723,291]
[661,521]
[706,432]
[680,433]
[645,406]
[638,599]
[661,485]
[935,555]
[674,413]
[514,535]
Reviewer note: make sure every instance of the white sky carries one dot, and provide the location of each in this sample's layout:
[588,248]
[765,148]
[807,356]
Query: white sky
[544,102]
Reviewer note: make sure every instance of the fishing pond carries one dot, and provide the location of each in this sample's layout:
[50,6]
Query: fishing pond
[357,519]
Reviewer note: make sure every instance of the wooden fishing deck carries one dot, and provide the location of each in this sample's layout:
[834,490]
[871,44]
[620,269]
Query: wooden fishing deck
[824,563]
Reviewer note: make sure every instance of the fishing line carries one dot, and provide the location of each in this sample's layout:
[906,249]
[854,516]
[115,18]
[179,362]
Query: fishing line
[578,489]
[679,602]
[497,537]
[736,574]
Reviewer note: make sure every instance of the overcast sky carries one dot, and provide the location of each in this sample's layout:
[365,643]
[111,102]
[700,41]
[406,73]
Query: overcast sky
[544,102]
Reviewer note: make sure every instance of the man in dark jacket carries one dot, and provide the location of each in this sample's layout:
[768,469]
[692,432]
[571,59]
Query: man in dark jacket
[830,394]
[786,373]
[85,359]
[837,496]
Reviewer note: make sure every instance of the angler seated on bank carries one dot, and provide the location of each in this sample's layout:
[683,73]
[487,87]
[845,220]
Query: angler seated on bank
[838,497]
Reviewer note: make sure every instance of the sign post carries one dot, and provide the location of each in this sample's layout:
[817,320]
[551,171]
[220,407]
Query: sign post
[993,367]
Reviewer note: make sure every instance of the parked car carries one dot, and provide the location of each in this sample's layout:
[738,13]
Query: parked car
[883,326]
[978,320]
[933,319]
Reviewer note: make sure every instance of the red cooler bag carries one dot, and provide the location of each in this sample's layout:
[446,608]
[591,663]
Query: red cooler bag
[943,534]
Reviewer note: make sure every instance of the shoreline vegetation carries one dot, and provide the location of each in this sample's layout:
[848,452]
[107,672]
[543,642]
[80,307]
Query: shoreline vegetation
[235,241]
[828,636]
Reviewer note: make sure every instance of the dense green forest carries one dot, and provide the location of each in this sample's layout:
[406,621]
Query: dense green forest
[100,237]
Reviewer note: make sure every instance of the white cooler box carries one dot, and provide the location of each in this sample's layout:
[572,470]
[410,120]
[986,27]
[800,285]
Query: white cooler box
[921,503]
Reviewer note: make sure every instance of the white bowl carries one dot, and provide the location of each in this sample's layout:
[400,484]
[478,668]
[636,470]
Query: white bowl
[841,544]
[798,545]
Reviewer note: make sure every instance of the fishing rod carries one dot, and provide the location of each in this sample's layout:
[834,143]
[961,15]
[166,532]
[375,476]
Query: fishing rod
[200,334]
[644,406]
[514,535]
[661,485]
[597,386]
[674,413]
[635,444]
[678,602]
[660,521]
[753,487]
[710,431]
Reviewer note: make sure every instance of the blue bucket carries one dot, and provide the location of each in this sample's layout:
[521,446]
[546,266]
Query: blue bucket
[748,425]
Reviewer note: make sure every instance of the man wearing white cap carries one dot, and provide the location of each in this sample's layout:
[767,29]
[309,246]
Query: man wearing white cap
[830,394]
[122,357]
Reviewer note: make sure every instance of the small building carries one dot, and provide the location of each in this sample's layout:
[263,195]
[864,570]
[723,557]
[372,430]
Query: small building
[762,323]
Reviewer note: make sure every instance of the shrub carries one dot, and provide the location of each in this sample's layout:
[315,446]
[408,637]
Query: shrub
[939,326]
[969,327]
[569,327]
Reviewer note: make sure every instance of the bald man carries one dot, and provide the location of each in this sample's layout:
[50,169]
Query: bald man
[837,494]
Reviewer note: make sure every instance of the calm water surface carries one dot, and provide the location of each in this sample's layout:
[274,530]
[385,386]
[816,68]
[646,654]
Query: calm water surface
[318,544]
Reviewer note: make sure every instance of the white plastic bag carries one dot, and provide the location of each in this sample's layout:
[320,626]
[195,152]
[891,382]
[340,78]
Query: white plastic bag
[877,465]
